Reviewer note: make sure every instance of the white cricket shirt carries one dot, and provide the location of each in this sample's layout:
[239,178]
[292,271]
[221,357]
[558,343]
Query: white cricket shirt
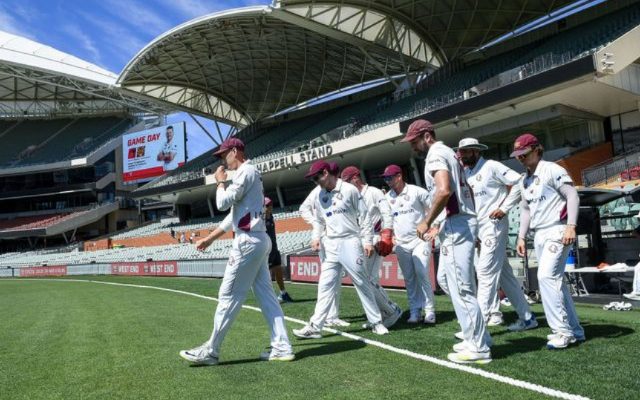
[547,207]
[245,197]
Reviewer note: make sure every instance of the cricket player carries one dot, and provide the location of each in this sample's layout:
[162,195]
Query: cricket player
[495,192]
[549,209]
[409,205]
[341,212]
[307,211]
[457,239]
[247,265]
[275,258]
[169,151]
[381,218]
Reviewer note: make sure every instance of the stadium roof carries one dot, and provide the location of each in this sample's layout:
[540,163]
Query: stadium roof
[242,65]
[249,63]
[38,80]
[450,27]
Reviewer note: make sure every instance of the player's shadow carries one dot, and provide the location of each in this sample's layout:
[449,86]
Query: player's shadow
[297,300]
[535,343]
[326,348]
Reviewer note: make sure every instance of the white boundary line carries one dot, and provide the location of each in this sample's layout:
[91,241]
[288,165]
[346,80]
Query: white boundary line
[447,364]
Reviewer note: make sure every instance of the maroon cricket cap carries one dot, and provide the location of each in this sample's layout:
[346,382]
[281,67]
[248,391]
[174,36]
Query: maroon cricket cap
[523,143]
[267,201]
[230,143]
[349,172]
[416,129]
[334,168]
[317,167]
[391,170]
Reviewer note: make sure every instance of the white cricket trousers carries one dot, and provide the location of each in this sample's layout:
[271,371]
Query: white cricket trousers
[494,271]
[636,279]
[414,259]
[247,268]
[556,298]
[457,243]
[347,253]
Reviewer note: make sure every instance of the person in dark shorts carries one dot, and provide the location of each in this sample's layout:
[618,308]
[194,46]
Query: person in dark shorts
[275,259]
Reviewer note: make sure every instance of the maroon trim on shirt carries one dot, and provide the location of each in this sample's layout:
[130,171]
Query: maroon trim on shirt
[378,227]
[245,223]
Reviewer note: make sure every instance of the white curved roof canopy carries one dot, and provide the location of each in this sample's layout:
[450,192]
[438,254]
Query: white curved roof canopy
[243,65]
[37,80]
[451,28]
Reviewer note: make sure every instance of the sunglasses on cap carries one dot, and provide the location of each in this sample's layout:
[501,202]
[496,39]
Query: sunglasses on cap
[388,178]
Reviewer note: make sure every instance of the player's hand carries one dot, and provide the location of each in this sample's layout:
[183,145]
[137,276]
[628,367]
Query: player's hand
[422,229]
[521,247]
[368,250]
[315,245]
[202,244]
[497,214]
[220,174]
[432,233]
[569,236]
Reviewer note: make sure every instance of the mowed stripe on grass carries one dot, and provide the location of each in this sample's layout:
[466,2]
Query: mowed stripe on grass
[425,377]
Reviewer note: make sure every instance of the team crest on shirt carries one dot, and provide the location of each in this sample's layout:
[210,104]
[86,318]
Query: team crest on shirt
[478,177]
[359,261]
[406,197]
[489,242]
[339,196]
[444,251]
[393,201]
[536,181]
[231,260]
[553,248]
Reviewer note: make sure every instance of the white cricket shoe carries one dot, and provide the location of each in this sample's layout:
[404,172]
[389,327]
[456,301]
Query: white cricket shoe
[271,354]
[460,346]
[551,336]
[391,320]
[505,302]
[495,320]
[560,342]
[522,325]
[430,317]
[632,296]
[470,357]
[336,322]
[380,329]
[459,335]
[414,317]
[307,332]
[199,355]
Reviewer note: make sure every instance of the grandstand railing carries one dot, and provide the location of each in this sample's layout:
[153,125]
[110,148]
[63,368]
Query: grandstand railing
[610,170]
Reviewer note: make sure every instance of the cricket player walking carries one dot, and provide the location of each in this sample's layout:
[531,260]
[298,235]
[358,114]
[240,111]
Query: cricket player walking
[381,218]
[495,192]
[247,265]
[550,205]
[409,205]
[307,211]
[342,214]
[457,239]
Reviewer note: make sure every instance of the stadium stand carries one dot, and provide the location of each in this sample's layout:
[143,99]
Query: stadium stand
[45,141]
[154,242]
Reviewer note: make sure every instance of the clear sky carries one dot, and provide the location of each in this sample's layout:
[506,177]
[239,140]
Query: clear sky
[109,33]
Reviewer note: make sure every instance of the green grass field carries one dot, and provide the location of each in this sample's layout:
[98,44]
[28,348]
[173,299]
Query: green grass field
[68,340]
